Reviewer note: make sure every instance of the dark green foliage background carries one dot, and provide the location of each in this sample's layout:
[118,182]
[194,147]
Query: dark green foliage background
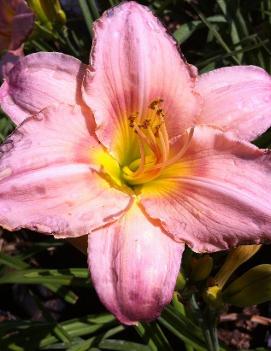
[212,34]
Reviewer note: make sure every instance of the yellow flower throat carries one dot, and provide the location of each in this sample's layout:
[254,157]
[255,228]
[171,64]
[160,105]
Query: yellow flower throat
[154,152]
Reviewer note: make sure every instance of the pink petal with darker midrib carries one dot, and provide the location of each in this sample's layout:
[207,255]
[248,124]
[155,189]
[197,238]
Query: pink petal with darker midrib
[134,267]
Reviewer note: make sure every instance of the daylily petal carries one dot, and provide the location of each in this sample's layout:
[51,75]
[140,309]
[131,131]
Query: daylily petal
[134,266]
[22,25]
[8,61]
[47,179]
[16,23]
[40,80]
[133,62]
[219,195]
[236,99]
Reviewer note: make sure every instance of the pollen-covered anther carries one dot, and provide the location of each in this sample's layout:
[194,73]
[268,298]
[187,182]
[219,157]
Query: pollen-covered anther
[152,141]
[155,103]
[132,119]
[145,124]
[155,117]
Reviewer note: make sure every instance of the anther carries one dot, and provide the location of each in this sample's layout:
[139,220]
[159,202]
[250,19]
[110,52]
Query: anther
[145,124]
[132,119]
[153,104]
[159,112]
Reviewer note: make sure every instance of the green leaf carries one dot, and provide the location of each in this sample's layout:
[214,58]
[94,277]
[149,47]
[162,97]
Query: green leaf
[57,329]
[187,29]
[121,345]
[87,15]
[216,34]
[183,328]
[17,263]
[12,261]
[94,8]
[41,334]
[154,336]
[229,16]
[86,344]
[72,276]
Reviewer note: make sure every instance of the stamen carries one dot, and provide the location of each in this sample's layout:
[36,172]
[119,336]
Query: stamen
[151,133]
[153,145]
[163,147]
[142,159]
[184,148]
[181,152]
[143,136]
[165,137]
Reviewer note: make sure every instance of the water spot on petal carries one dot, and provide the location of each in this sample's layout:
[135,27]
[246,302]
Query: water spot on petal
[153,26]
[85,217]
[17,136]
[229,118]
[38,116]
[116,34]
[5,173]
[40,189]
[50,224]
[183,225]
[5,210]
[267,98]
[4,90]
[6,147]
[70,204]
[26,143]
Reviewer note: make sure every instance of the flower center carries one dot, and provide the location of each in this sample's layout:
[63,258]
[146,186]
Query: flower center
[154,146]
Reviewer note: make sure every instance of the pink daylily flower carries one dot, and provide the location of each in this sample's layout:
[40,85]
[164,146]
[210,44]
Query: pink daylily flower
[16,23]
[139,152]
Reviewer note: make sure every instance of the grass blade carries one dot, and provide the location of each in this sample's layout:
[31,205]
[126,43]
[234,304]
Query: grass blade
[87,15]
[73,276]
[154,336]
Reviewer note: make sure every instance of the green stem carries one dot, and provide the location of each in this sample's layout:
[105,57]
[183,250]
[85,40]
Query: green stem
[180,309]
[210,334]
[208,339]
[207,321]
[210,330]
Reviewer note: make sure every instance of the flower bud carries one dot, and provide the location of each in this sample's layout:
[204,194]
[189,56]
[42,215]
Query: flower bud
[201,268]
[235,258]
[251,288]
[180,283]
[48,12]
